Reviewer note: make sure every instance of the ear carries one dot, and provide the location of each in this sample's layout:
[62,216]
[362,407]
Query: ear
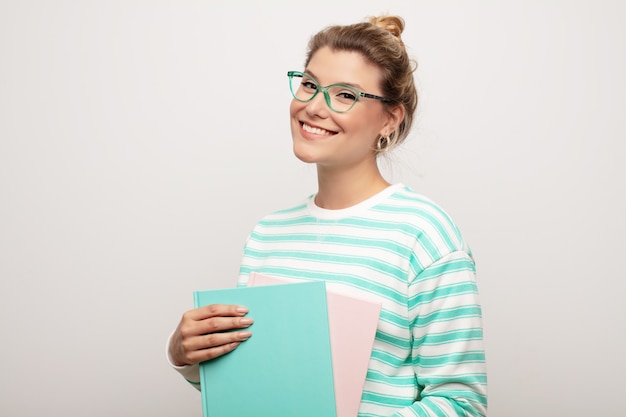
[395,116]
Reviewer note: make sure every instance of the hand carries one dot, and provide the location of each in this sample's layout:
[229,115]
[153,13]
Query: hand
[203,333]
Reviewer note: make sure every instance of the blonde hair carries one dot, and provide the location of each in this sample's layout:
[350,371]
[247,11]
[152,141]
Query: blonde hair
[379,41]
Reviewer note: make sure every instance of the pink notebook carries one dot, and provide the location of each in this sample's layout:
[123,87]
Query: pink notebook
[352,324]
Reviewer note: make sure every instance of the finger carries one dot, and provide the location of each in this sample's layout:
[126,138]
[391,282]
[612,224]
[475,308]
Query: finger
[212,353]
[216,310]
[211,346]
[214,340]
[221,324]
[211,325]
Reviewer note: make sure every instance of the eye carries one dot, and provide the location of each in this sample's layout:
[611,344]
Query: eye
[347,95]
[309,85]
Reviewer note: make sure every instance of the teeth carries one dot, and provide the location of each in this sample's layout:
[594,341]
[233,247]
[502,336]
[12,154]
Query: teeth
[315,130]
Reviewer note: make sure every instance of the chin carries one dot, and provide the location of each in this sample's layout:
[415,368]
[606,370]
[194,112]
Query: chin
[304,155]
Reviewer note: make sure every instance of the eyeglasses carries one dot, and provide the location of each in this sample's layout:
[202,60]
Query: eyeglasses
[339,97]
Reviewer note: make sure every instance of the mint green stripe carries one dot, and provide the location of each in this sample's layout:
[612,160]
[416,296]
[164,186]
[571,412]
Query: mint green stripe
[448,267]
[417,412]
[465,394]
[366,262]
[401,343]
[388,358]
[439,227]
[468,379]
[450,359]
[466,408]
[462,408]
[443,315]
[244,270]
[457,335]
[407,381]
[389,316]
[432,207]
[427,244]
[443,291]
[377,398]
[389,246]
[432,405]
[353,280]
[393,381]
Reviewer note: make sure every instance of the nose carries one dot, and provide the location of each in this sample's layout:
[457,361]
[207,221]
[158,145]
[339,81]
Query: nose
[317,106]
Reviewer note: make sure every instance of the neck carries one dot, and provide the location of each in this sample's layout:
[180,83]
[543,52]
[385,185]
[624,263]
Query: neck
[343,188]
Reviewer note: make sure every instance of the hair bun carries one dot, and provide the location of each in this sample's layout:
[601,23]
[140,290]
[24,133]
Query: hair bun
[392,24]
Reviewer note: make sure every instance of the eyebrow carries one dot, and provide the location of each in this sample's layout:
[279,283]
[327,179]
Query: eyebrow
[308,72]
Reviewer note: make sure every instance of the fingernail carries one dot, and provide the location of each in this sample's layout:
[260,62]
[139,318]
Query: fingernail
[242,310]
[245,321]
[244,335]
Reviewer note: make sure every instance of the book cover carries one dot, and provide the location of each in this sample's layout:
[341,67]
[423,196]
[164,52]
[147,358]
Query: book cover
[285,368]
[352,323]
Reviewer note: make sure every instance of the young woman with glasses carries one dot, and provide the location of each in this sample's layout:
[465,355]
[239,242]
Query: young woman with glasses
[353,101]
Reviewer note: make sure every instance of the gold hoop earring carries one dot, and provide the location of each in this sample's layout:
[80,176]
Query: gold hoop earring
[383,143]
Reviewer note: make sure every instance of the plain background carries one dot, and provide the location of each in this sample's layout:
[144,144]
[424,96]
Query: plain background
[141,140]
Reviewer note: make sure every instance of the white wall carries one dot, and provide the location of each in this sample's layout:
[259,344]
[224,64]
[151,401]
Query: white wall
[141,140]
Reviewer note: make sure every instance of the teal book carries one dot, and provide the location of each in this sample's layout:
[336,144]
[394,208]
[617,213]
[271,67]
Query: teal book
[285,368]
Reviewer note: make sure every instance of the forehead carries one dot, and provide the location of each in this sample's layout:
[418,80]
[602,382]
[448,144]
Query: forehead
[349,67]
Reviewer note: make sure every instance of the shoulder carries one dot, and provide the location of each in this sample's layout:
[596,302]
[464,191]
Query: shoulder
[423,217]
[405,200]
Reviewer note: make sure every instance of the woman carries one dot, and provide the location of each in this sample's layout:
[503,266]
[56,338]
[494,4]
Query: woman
[354,101]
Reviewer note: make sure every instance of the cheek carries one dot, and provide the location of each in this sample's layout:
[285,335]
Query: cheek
[374,120]
[295,107]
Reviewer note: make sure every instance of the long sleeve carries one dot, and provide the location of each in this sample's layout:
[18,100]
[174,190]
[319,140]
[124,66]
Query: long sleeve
[447,346]
[191,373]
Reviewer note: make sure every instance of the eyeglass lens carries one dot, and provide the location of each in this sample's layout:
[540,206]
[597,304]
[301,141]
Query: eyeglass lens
[340,98]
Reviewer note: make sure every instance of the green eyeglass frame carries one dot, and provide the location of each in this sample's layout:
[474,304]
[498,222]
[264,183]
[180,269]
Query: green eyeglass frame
[357,93]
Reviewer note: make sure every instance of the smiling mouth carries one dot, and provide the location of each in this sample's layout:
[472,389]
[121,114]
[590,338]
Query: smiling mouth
[316,130]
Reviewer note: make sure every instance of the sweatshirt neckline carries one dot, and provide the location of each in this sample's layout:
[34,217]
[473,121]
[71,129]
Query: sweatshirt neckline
[320,212]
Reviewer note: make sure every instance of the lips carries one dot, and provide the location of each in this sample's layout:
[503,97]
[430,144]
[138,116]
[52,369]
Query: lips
[316,130]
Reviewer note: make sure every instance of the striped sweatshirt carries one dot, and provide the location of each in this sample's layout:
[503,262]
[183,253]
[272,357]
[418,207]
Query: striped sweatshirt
[402,250]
